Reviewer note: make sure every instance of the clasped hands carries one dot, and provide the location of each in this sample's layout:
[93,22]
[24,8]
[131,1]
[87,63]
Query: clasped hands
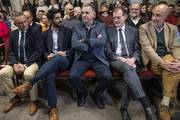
[172,66]
[129,61]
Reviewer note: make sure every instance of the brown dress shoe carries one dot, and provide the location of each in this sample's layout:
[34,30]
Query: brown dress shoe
[33,107]
[25,87]
[11,104]
[164,112]
[53,114]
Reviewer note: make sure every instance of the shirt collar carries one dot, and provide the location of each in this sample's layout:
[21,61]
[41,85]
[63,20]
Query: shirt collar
[122,28]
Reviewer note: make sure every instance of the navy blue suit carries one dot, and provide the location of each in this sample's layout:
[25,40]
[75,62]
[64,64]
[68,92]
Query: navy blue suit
[57,63]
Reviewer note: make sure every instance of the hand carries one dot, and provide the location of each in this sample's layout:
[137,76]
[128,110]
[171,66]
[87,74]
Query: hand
[169,66]
[50,56]
[131,62]
[122,59]
[174,66]
[62,53]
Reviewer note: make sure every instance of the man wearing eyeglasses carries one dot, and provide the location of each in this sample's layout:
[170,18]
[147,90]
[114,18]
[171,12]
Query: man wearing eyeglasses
[124,52]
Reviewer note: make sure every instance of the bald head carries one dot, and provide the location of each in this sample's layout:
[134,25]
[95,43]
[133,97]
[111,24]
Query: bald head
[159,14]
[162,8]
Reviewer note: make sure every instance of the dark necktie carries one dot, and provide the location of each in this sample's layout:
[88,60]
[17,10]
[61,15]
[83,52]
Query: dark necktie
[122,42]
[22,48]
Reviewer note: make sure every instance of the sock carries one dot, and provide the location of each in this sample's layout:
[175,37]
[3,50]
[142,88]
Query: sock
[165,101]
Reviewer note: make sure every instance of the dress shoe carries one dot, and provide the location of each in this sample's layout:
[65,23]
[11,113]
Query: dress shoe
[33,107]
[11,104]
[81,100]
[150,114]
[25,87]
[164,112]
[125,114]
[98,100]
[53,114]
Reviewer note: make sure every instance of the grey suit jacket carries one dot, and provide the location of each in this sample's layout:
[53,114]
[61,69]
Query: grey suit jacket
[97,41]
[132,40]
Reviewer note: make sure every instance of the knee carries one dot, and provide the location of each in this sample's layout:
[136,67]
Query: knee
[28,76]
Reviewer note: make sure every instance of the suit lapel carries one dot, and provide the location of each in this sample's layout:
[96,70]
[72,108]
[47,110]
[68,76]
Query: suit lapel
[114,38]
[60,39]
[153,34]
[127,36]
[50,40]
[166,35]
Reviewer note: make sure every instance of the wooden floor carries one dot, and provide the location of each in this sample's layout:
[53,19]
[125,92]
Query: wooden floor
[68,110]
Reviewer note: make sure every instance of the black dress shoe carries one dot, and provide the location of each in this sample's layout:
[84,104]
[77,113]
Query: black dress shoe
[98,100]
[81,100]
[150,114]
[125,114]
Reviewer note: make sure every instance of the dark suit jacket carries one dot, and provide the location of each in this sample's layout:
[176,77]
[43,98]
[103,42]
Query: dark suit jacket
[33,46]
[97,41]
[64,42]
[131,34]
[130,22]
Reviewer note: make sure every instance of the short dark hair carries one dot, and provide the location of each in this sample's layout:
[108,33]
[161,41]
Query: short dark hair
[51,13]
[124,11]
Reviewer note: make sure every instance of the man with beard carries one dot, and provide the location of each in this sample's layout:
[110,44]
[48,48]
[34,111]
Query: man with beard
[57,52]
[135,18]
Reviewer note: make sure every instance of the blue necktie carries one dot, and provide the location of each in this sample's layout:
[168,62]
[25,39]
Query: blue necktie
[122,42]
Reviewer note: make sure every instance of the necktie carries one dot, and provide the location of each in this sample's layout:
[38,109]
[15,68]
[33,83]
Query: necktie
[22,48]
[123,44]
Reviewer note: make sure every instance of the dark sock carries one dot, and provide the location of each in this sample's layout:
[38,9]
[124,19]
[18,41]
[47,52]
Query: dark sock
[145,102]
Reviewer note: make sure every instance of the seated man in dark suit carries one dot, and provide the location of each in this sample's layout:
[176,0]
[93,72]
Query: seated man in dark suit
[88,40]
[57,45]
[124,52]
[25,58]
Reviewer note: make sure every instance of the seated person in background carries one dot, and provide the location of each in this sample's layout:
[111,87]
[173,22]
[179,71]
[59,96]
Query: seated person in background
[88,40]
[104,16]
[124,53]
[161,53]
[57,44]
[135,19]
[25,58]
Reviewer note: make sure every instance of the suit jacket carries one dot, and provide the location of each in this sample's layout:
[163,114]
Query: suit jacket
[132,42]
[33,46]
[97,41]
[148,41]
[64,41]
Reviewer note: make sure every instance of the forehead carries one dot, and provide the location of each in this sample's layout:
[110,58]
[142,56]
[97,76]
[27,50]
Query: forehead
[135,6]
[21,18]
[118,13]
[87,9]
[57,15]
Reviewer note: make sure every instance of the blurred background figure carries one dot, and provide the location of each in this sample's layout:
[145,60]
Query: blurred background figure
[41,6]
[28,6]
[44,22]
[104,15]
[135,18]
[77,12]
[68,11]
[53,4]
